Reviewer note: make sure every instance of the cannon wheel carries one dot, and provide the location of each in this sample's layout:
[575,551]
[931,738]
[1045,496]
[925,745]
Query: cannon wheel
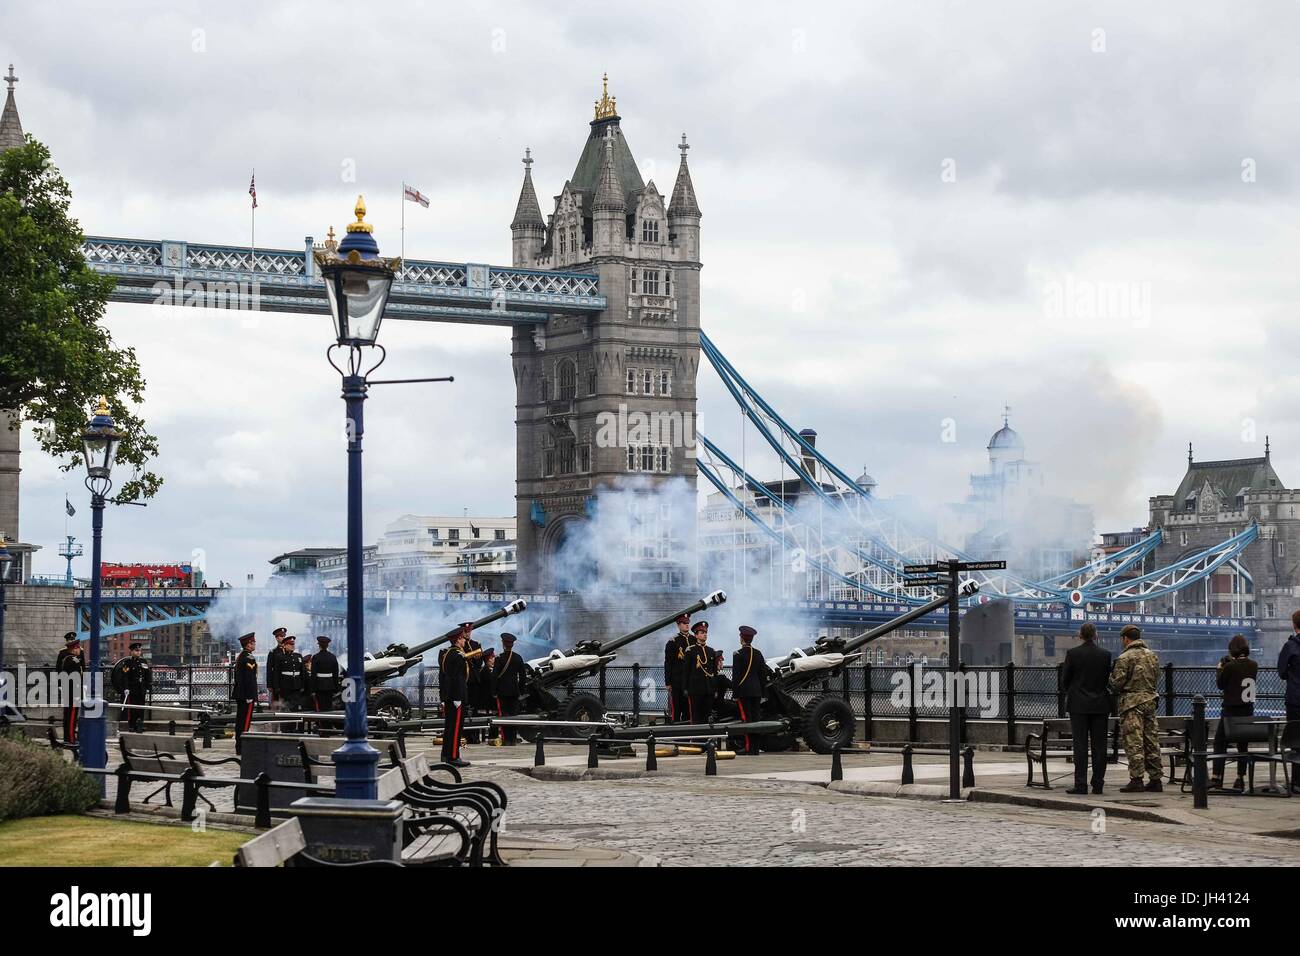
[828,722]
[389,703]
[579,707]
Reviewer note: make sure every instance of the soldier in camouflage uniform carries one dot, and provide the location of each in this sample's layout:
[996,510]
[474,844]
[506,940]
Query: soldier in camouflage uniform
[1134,681]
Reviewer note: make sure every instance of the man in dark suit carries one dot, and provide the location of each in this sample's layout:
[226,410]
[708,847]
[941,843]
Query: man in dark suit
[1087,698]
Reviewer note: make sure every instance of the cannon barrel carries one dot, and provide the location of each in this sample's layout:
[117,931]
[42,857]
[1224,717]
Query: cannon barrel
[966,589]
[514,607]
[712,600]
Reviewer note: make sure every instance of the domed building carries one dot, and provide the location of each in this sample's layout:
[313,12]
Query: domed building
[1010,516]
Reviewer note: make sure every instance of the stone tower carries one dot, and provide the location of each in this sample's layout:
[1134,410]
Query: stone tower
[607,401]
[11,135]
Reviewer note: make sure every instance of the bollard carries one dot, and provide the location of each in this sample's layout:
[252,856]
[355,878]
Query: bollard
[711,758]
[907,764]
[968,768]
[401,741]
[837,765]
[1200,785]
[171,727]
[593,761]
[189,794]
[1011,703]
[539,758]
[205,721]
[263,783]
[651,758]
[123,804]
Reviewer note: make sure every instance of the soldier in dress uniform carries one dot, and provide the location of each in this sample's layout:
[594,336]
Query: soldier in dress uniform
[473,652]
[701,670]
[291,674]
[71,660]
[508,674]
[1135,679]
[325,677]
[454,680]
[675,668]
[138,679]
[245,688]
[749,671]
[273,695]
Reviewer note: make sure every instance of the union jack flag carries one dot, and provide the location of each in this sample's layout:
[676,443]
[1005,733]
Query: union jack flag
[252,189]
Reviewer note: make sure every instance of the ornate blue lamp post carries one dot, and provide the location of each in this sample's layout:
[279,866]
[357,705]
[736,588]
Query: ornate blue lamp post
[357,281]
[99,443]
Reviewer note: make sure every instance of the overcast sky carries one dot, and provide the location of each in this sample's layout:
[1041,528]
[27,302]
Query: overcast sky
[906,208]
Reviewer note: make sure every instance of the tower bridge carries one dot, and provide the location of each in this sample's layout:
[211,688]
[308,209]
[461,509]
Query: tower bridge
[602,297]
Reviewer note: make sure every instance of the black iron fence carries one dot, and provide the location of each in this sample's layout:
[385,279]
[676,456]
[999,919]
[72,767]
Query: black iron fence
[914,691]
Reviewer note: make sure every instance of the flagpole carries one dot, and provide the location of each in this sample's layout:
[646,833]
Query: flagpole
[252,236]
[403,225]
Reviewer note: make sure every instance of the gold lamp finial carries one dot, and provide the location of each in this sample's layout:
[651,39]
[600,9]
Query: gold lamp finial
[360,225]
[102,407]
[606,105]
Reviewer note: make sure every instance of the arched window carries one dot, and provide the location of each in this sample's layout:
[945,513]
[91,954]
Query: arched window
[567,374]
[649,230]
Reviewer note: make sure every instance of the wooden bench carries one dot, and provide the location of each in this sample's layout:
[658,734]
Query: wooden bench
[165,754]
[1250,730]
[285,845]
[451,837]
[1055,739]
[318,756]
[422,784]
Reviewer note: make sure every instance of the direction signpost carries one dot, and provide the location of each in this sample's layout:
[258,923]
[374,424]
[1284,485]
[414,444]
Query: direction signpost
[945,574]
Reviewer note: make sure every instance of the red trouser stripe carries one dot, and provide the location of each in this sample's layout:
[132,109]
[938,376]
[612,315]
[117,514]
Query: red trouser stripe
[455,738]
[72,726]
[672,709]
[248,715]
[743,717]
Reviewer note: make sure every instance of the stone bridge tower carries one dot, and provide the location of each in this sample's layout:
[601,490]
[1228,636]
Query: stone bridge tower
[11,136]
[608,401]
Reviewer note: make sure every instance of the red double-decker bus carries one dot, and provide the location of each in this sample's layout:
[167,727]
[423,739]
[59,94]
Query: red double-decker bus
[146,575]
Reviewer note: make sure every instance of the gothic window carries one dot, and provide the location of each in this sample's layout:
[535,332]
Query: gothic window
[573,240]
[566,457]
[548,462]
[650,282]
[668,282]
[562,244]
[663,458]
[584,459]
[591,381]
[631,457]
[631,381]
[665,382]
[647,458]
[649,230]
[634,281]
[543,389]
[647,381]
[567,374]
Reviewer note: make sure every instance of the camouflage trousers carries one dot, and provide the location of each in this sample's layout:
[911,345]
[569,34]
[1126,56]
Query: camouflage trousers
[1140,735]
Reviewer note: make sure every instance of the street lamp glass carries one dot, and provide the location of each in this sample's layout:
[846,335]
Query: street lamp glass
[357,297]
[99,443]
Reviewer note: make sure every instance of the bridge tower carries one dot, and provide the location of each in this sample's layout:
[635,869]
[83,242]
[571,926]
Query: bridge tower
[580,380]
[11,136]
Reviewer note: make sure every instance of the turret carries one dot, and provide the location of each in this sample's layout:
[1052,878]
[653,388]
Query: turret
[527,229]
[684,211]
[609,208]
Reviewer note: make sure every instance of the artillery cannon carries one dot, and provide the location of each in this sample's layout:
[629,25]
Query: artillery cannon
[826,721]
[397,659]
[548,691]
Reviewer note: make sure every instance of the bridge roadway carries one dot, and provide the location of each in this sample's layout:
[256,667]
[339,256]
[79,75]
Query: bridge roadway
[133,609]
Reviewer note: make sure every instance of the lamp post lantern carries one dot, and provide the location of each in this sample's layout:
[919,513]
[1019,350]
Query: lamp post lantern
[357,282]
[99,443]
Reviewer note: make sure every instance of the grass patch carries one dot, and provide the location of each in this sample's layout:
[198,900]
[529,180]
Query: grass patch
[95,841]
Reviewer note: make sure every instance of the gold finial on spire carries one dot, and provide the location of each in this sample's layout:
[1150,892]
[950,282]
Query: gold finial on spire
[102,407]
[360,225]
[606,105]
[331,244]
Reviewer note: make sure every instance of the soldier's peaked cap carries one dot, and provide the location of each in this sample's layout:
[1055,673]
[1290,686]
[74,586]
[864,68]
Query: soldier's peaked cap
[323,638]
[135,646]
[71,638]
[747,632]
[279,631]
[699,626]
[245,638]
[683,619]
[507,637]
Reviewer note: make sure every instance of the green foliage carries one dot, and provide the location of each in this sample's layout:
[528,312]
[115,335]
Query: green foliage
[36,780]
[56,357]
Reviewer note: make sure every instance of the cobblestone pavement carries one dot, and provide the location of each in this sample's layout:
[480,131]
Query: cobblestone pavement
[741,822]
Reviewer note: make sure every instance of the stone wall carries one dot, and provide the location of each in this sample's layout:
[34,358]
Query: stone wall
[36,618]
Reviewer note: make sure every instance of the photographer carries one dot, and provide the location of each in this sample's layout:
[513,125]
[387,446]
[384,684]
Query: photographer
[1236,678]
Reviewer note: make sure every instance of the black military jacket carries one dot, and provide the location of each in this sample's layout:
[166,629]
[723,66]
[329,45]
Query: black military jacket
[325,676]
[749,671]
[245,676]
[701,669]
[291,673]
[509,672]
[675,660]
[138,673]
[273,657]
[454,676]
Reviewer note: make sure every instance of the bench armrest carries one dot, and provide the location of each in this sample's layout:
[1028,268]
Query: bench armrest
[428,821]
[447,767]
